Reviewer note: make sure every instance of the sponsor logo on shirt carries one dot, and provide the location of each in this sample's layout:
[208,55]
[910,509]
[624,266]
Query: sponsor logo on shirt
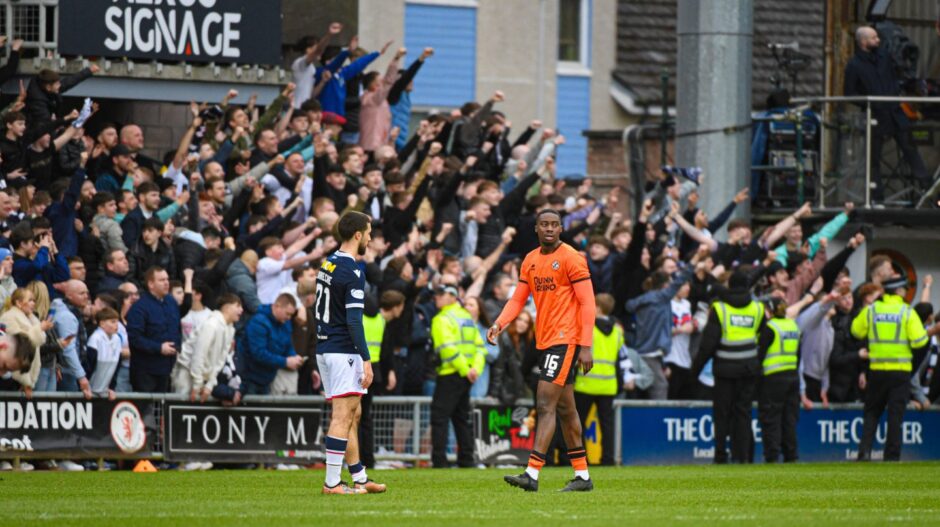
[545,284]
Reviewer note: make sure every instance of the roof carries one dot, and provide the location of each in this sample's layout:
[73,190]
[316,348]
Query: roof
[646,45]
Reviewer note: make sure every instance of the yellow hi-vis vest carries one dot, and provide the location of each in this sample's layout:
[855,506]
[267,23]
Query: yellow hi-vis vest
[457,339]
[739,327]
[602,379]
[374,329]
[892,329]
[782,354]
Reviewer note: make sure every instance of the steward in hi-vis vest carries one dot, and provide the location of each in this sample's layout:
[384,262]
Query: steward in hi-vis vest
[778,406]
[463,356]
[893,330]
[730,338]
[374,320]
[602,384]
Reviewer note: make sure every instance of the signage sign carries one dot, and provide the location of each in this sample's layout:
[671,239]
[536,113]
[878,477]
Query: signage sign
[59,427]
[242,31]
[684,435]
[504,434]
[256,432]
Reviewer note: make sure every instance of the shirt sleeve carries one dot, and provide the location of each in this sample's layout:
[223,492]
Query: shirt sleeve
[356,292]
[578,269]
[269,266]
[860,324]
[524,270]
[916,334]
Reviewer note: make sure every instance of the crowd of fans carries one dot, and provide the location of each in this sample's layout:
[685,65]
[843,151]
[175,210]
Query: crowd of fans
[196,273]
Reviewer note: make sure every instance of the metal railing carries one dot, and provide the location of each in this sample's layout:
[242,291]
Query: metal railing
[842,131]
[401,425]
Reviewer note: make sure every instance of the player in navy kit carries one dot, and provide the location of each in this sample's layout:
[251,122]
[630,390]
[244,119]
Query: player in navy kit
[342,353]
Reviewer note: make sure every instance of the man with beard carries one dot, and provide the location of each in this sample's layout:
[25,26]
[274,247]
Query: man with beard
[343,354]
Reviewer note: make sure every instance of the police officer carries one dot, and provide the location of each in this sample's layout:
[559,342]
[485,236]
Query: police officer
[893,329]
[778,406]
[600,385]
[730,336]
[462,353]
[390,308]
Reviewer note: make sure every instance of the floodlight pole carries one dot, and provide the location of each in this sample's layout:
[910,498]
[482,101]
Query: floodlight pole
[714,96]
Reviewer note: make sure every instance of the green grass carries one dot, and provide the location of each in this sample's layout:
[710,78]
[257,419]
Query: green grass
[807,495]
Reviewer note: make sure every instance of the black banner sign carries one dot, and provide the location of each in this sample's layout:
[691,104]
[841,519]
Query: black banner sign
[259,433]
[506,434]
[59,427]
[243,31]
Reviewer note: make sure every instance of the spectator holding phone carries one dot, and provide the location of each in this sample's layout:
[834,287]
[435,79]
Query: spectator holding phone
[72,336]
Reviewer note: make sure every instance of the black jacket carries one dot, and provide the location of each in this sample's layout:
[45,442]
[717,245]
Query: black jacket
[844,362]
[397,223]
[505,215]
[873,73]
[507,378]
[41,105]
[143,257]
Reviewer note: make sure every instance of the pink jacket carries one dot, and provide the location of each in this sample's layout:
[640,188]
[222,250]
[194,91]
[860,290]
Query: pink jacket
[375,116]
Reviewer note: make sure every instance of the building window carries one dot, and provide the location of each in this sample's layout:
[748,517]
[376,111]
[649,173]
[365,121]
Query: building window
[573,32]
[34,21]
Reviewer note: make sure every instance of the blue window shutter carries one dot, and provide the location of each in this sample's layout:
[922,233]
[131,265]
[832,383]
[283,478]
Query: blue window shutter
[573,117]
[449,77]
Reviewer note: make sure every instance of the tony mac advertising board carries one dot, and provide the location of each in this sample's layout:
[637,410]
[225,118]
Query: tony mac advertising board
[685,435]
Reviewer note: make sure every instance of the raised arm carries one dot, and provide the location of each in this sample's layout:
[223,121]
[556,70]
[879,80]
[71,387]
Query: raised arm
[781,228]
[315,52]
[395,94]
[690,229]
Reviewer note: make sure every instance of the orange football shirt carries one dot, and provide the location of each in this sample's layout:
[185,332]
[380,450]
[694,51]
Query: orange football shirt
[550,278]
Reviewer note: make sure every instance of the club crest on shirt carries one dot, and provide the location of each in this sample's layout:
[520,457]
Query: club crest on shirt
[556,265]
[350,361]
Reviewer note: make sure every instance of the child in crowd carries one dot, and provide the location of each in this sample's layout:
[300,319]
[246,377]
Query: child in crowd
[106,342]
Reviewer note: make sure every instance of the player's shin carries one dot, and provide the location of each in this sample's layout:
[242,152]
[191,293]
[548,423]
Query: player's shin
[335,452]
[356,468]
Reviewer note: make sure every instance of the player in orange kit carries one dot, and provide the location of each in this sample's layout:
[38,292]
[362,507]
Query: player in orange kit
[557,276]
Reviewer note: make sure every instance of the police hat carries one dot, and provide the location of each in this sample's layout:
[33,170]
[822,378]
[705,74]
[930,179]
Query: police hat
[895,283]
[448,289]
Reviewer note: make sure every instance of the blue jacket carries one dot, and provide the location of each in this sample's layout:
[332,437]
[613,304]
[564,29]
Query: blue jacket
[42,268]
[67,325]
[266,346]
[150,323]
[333,96]
[132,226]
[654,316]
[108,182]
[62,216]
[401,115]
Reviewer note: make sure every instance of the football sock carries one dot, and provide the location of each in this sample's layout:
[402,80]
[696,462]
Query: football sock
[536,462]
[578,457]
[358,472]
[335,451]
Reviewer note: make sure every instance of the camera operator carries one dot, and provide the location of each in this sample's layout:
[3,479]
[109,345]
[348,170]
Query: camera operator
[872,72]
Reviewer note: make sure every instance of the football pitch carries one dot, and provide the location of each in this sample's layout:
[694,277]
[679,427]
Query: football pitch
[806,494]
